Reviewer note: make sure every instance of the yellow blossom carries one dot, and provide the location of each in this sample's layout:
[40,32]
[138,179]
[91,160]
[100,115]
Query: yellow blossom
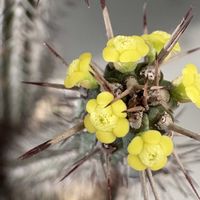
[125,51]
[107,121]
[187,86]
[156,40]
[149,150]
[78,73]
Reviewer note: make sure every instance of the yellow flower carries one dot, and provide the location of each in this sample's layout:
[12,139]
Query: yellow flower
[149,150]
[108,122]
[78,73]
[187,87]
[157,40]
[125,51]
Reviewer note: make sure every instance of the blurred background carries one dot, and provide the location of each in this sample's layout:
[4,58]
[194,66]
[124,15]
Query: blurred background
[30,115]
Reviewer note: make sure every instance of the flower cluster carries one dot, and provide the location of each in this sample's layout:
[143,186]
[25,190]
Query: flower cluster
[125,51]
[156,40]
[79,73]
[129,108]
[107,121]
[149,150]
[187,86]
[136,117]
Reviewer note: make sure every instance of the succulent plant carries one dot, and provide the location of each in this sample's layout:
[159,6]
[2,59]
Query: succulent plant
[129,108]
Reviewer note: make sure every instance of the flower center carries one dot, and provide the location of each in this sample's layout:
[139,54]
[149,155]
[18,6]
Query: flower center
[124,42]
[103,120]
[151,154]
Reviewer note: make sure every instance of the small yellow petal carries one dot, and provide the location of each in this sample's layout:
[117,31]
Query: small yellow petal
[121,128]
[74,79]
[68,83]
[118,107]
[189,69]
[91,105]
[151,137]
[73,67]
[105,137]
[110,54]
[194,94]
[104,98]
[159,165]
[129,56]
[88,125]
[143,49]
[157,40]
[86,56]
[84,64]
[135,146]
[166,145]
[135,163]
[189,73]
[110,42]
[87,84]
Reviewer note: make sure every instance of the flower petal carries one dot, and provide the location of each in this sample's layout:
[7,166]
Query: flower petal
[68,83]
[88,125]
[189,72]
[105,137]
[135,163]
[104,98]
[85,60]
[91,105]
[74,79]
[166,145]
[121,128]
[85,56]
[110,54]
[129,56]
[143,49]
[151,136]
[159,165]
[118,107]
[194,94]
[73,66]
[135,146]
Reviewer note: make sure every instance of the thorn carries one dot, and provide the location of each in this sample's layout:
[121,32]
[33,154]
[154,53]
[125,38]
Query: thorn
[145,27]
[177,181]
[106,18]
[50,85]
[126,92]
[35,150]
[99,77]
[157,71]
[70,132]
[120,96]
[144,184]
[182,54]
[186,174]
[78,163]
[108,175]
[53,51]
[193,50]
[179,30]
[152,184]
[185,132]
